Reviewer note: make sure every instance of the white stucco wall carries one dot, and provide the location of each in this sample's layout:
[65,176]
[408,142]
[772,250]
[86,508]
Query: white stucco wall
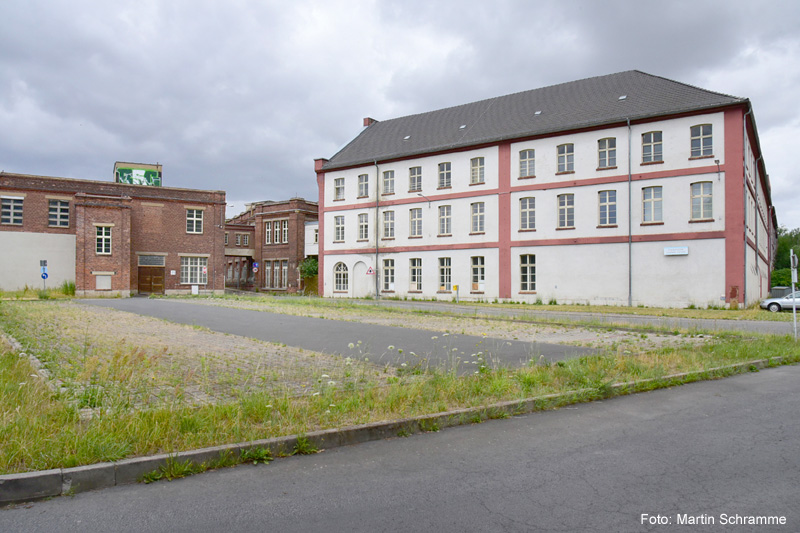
[22,251]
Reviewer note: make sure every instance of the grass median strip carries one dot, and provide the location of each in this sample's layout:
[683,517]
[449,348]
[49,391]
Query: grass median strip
[135,390]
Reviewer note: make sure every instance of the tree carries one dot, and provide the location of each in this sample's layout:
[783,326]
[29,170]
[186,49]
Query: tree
[787,240]
[309,267]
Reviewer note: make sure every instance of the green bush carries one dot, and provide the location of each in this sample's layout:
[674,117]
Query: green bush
[782,277]
[309,267]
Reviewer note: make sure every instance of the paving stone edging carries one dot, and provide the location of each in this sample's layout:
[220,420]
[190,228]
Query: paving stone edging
[30,486]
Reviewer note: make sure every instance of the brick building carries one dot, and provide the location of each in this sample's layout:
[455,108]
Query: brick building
[111,239]
[273,235]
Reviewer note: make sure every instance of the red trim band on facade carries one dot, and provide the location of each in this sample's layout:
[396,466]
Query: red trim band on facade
[734,205]
[504,219]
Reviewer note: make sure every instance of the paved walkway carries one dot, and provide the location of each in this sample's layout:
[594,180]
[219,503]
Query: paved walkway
[335,336]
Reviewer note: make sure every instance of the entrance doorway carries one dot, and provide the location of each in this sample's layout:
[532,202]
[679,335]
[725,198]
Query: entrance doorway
[151,280]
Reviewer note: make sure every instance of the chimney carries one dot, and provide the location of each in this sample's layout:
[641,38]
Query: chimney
[368,121]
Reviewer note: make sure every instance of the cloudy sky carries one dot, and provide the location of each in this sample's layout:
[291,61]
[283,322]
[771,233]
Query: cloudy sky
[242,95]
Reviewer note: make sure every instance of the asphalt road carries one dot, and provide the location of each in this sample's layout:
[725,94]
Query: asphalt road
[727,447]
[335,336]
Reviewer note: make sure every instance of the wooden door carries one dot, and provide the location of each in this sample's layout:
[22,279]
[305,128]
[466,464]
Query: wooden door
[151,280]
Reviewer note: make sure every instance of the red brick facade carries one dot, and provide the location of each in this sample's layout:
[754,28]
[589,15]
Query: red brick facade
[147,230]
[278,254]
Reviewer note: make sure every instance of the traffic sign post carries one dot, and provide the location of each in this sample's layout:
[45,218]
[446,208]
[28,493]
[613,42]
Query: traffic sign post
[793,263]
[43,268]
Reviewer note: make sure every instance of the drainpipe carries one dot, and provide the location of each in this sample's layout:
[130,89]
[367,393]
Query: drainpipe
[630,223]
[744,202]
[377,229]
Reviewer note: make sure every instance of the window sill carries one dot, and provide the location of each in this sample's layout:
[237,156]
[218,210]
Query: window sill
[338,242]
[362,240]
[12,224]
[477,292]
[527,230]
[387,238]
[652,224]
[443,188]
[477,233]
[565,227]
[526,177]
[652,162]
[445,235]
[477,183]
[414,292]
[693,158]
[415,237]
[387,194]
[339,292]
[414,190]
[527,292]
[194,233]
[361,197]
[444,292]
[700,220]
[338,199]
[606,168]
[606,226]
[386,292]
[565,172]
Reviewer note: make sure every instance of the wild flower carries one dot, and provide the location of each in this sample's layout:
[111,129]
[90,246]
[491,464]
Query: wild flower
[315,394]
[434,338]
[403,364]
[351,345]
[324,376]
[331,382]
[390,347]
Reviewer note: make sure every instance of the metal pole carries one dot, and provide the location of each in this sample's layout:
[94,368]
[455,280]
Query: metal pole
[793,264]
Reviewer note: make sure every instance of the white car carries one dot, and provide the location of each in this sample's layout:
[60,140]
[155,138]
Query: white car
[779,304]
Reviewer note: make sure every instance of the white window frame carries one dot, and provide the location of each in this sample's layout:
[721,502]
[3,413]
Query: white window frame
[414,179]
[527,273]
[268,232]
[445,220]
[363,226]
[702,198]
[58,213]
[363,185]
[527,213]
[388,224]
[11,210]
[652,205]
[194,221]
[445,274]
[702,140]
[388,275]
[445,175]
[102,243]
[284,231]
[340,278]
[415,222]
[192,270]
[607,153]
[338,228]
[415,274]
[566,210]
[652,147]
[478,217]
[478,273]
[607,208]
[476,170]
[388,182]
[338,189]
[566,157]
[527,163]
[245,239]
[238,239]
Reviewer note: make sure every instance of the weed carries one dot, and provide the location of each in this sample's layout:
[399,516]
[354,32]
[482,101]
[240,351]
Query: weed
[256,455]
[303,446]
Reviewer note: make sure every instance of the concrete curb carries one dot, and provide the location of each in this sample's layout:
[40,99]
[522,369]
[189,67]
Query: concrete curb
[30,486]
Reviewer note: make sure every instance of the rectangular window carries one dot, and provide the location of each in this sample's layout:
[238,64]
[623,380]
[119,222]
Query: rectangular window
[194,221]
[316,236]
[268,274]
[285,231]
[11,212]
[652,151]
[194,270]
[415,274]
[267,232]
[338,229]
[284,273]
[607,200]
[478,274]
[651,204]
[363,227]
[363,186]
[338,189]
[103,240]
[566,157]
[388,274]
[415,222]
[527,163]
[702,201]
[245,239]
[58,214]
[388,224]
[607,153]
[276,235]
[226,240]
[445,274]
[414,179]
[702,141]
[476,170]
[444,219]
[444,175]
[527,273]
[566,210]
[388,182]
[477,217]
[527,213]
[238,239]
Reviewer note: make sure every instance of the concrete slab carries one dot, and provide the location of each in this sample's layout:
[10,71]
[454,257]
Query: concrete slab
[29,486]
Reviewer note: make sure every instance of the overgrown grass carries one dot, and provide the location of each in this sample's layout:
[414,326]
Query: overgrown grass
[60,292]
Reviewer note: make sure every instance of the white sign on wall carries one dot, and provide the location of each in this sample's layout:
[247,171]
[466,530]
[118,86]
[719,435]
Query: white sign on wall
[676,250]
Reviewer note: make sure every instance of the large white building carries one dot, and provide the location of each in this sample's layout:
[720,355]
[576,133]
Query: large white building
[626,189]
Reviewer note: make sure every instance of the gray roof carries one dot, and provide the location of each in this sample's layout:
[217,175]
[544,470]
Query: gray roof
[567,106]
